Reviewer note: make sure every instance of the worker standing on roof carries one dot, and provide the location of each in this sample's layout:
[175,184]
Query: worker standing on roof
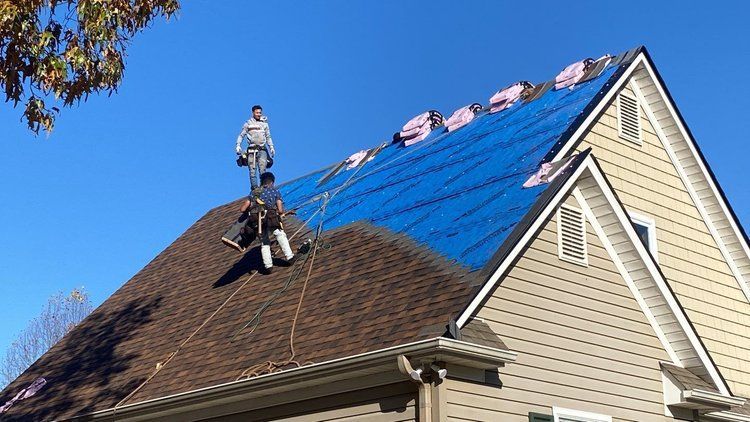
[272,225]
[259,144]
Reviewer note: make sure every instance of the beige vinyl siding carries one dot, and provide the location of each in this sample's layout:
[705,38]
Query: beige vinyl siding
[647,182]
[389,403]
[582,342]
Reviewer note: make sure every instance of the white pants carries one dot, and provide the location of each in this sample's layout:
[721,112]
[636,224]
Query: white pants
[265,249]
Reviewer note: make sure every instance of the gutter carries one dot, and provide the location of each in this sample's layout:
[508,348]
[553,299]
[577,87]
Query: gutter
[728,416]
[440,348]
[712,398]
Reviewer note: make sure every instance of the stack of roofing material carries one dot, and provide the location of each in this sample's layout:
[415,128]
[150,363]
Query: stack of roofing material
[572,74]
[462,116]
[356,158]
[416,129]
[508,96]
[582,71]
[596,68]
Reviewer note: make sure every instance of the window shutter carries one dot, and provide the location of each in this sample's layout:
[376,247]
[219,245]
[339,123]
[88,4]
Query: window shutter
[629,118]
[571,235]
[538,417]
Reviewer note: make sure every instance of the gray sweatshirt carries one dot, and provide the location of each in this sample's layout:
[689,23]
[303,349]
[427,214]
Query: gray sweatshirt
[256,132]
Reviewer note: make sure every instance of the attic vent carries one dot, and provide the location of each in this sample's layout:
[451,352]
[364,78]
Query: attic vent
[571,235]
[629,118]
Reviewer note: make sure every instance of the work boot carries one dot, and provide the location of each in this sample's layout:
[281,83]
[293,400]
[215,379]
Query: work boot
[266,270]
[292,260]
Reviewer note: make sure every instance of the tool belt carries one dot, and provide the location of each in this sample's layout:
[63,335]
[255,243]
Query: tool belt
[242,159]
[273,220]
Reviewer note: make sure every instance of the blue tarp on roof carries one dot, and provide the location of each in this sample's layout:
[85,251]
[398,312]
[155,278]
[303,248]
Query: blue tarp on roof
[459,193]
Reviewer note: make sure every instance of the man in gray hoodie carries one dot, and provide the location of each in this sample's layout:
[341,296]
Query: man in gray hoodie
[259,144]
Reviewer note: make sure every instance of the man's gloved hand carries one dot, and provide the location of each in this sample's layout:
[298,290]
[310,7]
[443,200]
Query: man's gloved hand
[238,150]
[272,150]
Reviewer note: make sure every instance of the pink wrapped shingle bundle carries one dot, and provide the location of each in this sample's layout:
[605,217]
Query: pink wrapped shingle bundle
[508,96]
[356,158]
[416,129]
[462,116]
[27,392]
[572,74]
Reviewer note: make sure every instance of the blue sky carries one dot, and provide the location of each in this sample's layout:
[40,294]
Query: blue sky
[122,177]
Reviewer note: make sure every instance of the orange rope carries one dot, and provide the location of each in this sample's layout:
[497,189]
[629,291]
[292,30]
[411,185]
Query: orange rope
[271,366]
[171,356]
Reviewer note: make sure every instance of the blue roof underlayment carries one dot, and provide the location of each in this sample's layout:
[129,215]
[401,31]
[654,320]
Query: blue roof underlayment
[459,193]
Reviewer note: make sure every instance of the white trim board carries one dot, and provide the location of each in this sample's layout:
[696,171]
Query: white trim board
[614,226]
[561,414]
[681,148]
[626,276]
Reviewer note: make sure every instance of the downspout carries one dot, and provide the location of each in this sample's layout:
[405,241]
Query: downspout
[428,410]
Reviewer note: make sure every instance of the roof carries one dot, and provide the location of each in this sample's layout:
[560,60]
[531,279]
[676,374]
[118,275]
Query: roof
[479,332]
[369,289]
[689,380]
[404,235]
[460,193]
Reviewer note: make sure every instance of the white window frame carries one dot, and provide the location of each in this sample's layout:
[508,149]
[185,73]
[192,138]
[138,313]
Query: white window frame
[578,415]
[585,261]
[650,225]
[639,140]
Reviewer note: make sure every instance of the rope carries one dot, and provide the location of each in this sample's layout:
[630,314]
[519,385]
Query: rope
[351,180]
[270,366]
[161,365]
[255,320]
[171,356]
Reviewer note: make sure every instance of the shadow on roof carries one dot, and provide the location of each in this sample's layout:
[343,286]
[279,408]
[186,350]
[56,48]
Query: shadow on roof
[89,358]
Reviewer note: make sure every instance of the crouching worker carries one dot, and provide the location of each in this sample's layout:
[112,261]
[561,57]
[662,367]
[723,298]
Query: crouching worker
[272,224]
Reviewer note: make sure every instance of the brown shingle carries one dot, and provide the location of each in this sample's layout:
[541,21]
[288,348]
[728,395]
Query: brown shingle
[479,332]
[688,379]
[370,290]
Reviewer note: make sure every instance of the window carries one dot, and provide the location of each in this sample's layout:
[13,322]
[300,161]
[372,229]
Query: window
[571,235]
[570,415]
[629,118]
[645,228]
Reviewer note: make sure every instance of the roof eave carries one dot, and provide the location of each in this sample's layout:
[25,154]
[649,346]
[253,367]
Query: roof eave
[435,349]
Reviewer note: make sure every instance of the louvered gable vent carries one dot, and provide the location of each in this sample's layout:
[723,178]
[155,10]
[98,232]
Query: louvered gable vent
[571,235]
[629,118]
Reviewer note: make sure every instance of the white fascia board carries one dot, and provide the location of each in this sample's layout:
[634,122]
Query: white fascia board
[626,276]
[444,348]
[642,60]
[589,166]
[568,146]
[518,247]
[686,180]
[661,283]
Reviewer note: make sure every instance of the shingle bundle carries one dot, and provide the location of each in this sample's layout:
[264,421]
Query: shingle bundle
[462,116]
[416,129]
[572,74]
[581,71]
[355,159]
[508,96]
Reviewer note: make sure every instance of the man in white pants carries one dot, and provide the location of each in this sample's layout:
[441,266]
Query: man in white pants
[271,197]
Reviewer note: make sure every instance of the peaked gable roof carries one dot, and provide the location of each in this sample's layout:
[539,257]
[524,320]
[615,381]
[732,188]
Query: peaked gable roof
[607,216]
